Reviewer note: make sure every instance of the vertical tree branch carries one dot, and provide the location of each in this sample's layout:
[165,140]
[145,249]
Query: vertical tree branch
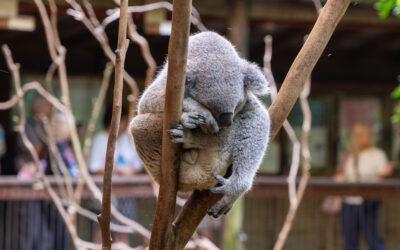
[120,53]
[295,163]
[162,236]
[199,202]
[87,142]
[306,156]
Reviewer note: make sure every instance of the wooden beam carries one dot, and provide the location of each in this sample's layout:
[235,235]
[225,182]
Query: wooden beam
[19,23]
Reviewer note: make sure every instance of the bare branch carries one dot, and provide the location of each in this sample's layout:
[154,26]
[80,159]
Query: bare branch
[305,61]
[294,166]
[120,53]
[49,76]
[58,160]
[145,50]
[41,91]
[162,236]
[317,5]
[93,217]
[59,59]
[14,68]
[96,109]
[113,14]
[98,32]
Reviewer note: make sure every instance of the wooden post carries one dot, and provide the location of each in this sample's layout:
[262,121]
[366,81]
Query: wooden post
[105,216]
[162,236]
[198,204]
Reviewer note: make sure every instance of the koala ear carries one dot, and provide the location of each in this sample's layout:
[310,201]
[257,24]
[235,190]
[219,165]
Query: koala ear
[254,79]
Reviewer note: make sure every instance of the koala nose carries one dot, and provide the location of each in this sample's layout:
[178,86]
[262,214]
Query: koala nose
[225,119]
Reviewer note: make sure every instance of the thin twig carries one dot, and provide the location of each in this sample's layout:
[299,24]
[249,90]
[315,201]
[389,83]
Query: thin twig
[120,53]
[59,59]
[288,128]
[99,34]
[306,157]
[113,14]
[145,50]
[49,77]
[87,142]
[14,69]
[58,159]
[41,91]
[93,217]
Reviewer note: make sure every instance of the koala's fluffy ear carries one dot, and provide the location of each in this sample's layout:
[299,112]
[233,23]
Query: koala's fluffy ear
[254,79]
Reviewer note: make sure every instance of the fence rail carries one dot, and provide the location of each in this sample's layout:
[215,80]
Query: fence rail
[11,188]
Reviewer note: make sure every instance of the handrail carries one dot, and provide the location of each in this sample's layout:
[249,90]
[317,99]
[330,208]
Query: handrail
[11,188]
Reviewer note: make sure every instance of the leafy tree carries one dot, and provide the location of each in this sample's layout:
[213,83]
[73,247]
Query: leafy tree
[385,7]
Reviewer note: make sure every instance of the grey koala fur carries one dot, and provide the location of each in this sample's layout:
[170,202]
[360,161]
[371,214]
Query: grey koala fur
[223,123]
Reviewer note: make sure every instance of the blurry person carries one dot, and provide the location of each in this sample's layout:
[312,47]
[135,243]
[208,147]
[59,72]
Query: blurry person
[361,163]
[40,226]
[126,162]
[35,132]
[61,133]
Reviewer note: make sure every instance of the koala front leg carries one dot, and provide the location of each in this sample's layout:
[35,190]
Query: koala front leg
[196,115]
[249,145]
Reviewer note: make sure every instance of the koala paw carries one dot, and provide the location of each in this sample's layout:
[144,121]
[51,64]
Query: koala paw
[205,121]
[231,192]
[192,120]
[176,133]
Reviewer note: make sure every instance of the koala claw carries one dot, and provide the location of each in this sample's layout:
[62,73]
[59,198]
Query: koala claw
[192,120]
[224,205]
[176,133]
[221,180]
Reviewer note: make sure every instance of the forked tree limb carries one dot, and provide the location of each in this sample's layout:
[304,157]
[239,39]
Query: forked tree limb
[305,61]
[120,54]
[162,236]
[199,202]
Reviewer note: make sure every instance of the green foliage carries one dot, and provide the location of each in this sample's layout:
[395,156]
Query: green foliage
[396,115]
[385,7]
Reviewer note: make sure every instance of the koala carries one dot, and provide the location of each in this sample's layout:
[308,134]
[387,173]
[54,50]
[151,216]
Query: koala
[223,124]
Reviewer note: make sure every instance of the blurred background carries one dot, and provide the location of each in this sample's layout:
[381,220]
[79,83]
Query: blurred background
[353,82]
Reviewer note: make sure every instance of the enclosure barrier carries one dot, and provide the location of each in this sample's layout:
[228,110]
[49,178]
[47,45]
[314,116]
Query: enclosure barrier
[265,209]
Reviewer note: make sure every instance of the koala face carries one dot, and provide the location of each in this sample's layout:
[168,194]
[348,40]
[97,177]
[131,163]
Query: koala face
[218,78]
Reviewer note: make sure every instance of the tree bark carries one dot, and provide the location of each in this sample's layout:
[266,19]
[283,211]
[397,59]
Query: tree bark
[162,236]
[199,202]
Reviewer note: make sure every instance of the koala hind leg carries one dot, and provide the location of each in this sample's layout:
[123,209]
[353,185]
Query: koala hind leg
[146,130]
